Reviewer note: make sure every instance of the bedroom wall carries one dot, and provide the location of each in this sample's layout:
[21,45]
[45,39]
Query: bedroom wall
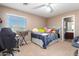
[37,21]
[32,20]
[56,21]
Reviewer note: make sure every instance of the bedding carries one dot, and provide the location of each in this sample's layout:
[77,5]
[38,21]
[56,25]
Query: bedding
[46,38]
[41,30]
[35,30]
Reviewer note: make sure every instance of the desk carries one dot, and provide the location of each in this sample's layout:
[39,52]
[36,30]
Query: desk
[22,34]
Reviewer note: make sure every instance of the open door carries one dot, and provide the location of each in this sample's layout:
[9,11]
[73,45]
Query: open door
[68,28]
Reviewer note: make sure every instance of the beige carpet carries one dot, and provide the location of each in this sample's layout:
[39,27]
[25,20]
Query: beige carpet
[61,48]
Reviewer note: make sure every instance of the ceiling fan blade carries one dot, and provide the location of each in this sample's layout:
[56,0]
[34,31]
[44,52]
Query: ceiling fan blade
[25,3]
[49,5]
[39,6]
[51,10]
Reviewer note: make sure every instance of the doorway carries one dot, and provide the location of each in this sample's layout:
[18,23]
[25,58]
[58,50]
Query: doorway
[68,28]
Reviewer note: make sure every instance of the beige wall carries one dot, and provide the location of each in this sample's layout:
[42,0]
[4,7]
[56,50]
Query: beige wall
[57,21]
[32,20]
[37,21]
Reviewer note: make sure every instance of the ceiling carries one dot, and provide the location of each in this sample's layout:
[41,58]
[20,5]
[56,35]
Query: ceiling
[58,8]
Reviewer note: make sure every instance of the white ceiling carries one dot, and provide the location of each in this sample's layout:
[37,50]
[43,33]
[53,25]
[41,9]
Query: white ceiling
[58,8]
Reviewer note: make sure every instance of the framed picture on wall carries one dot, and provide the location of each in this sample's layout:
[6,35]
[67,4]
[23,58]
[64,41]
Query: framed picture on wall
[17,23]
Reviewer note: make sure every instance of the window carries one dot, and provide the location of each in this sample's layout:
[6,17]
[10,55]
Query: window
[17,23]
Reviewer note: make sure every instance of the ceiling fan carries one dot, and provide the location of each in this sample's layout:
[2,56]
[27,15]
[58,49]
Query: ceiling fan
[47,5]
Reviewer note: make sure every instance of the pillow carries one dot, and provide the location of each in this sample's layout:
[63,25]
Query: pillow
[53,30]
[48,30]
[41,30]
[35,30]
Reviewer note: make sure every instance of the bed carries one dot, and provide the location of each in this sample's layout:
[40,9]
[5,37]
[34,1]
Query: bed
[44,39]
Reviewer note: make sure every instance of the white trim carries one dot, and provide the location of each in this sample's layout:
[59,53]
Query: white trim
[15,15]
[73,17]
[62,29]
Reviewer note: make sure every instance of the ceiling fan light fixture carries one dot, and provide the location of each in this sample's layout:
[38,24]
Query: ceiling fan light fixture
[25,3]
[48,9]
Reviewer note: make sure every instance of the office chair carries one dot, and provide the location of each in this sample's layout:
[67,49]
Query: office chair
[75,43]
[8,41]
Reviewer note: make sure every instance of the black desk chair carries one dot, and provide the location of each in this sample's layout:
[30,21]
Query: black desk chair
[8,41]
[75,43]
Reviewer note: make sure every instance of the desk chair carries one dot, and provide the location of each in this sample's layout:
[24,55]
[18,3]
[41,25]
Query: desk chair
[75,43]
[8,41]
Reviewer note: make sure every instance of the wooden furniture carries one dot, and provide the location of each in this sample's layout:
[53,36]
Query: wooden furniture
[69,35]
[22,34]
